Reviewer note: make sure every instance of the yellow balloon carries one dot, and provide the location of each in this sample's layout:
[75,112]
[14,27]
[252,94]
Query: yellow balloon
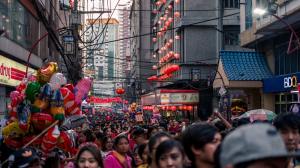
[45,72]
[13,130]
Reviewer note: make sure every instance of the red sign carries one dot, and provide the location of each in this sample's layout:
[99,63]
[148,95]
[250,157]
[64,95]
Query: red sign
[99,100]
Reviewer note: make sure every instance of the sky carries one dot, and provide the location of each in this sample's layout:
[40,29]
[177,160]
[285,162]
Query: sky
[92,3]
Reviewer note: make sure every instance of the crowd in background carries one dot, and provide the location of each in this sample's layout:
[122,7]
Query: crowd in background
[170,143]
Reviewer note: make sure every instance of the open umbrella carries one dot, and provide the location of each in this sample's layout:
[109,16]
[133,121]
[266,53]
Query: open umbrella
[259,114]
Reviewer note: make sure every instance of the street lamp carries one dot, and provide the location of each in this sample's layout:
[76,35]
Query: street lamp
[272,9]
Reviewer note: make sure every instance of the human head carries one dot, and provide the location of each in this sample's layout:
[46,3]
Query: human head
[154,141]
[256,144]
[107,144]
[169,153]
[143,152]
[200,142]
[288,126]
[139,135]
[89,156]
[121,144]
[89,135]
[137,159]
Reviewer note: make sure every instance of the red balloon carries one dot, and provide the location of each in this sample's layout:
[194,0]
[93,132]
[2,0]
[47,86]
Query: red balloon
[120,91]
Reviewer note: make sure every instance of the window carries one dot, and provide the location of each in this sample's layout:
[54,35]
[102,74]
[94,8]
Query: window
[231,4]
[18,23]
[248,14]
[284,63]
[231,35]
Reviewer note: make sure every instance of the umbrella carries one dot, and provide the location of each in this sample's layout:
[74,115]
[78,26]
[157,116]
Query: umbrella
[259,114]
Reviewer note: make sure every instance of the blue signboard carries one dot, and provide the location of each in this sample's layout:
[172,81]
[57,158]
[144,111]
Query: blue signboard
[282,83]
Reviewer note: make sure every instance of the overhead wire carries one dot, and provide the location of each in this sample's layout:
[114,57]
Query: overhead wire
[177,27]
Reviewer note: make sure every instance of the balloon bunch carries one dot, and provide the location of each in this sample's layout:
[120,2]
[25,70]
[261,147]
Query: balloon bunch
[38,104]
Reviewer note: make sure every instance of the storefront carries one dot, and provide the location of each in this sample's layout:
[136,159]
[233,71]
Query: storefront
[11,75]
[172,103]
[241,74]
[281,87]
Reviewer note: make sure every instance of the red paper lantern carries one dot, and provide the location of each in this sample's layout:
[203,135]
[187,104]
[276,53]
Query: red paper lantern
[173,108]
[184,108]
[120,91]
[154,39]
[152,78]
[163,1]
[190,108]
[177,14]
[180,107]
[177,56]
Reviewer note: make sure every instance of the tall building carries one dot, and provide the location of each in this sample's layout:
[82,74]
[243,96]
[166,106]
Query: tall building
[274,32]
[140,50]
[124,33]
[186,38]
[103,55]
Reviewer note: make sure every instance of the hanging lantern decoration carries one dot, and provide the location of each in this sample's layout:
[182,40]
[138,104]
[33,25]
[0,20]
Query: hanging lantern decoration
[152,78]
[154,39]
[120,91]
[154,67]
[177,37]
[180,107]
[177,1]
[163,1]
[173,108]
[163,107]
[177,14]
[168,23]
[184,107]
[190,108]
[177,56]
[154,11]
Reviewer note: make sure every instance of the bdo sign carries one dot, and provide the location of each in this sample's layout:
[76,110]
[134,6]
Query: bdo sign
[290,82]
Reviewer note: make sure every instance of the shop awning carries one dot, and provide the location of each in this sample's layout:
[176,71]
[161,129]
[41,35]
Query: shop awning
[241,69]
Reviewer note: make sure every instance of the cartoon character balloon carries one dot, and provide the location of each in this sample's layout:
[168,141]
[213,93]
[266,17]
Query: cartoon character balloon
[82,89]
[44,74]
[57,80]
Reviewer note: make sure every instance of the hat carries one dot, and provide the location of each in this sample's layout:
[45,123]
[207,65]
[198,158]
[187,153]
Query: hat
[252,142]
[23,157]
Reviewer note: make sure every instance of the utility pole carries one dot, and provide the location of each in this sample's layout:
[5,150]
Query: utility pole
[220,24]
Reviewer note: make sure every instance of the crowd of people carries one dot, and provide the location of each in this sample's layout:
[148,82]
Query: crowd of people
[210,144]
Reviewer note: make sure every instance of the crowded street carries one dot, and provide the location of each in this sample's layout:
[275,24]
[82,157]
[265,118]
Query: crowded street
[149,84]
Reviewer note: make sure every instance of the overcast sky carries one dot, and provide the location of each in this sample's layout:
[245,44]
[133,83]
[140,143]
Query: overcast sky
[95,4]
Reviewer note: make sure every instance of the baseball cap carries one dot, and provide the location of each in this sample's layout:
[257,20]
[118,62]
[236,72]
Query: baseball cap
[252,142]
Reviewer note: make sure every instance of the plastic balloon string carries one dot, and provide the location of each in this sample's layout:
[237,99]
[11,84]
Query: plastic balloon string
[35,138]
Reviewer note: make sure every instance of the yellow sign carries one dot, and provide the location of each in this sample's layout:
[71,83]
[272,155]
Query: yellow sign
[12,72]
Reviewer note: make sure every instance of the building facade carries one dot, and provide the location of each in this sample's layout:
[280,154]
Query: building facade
[21,26]
[103,55]
[186,38]
[140,51]
[124,33]
[272,34]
